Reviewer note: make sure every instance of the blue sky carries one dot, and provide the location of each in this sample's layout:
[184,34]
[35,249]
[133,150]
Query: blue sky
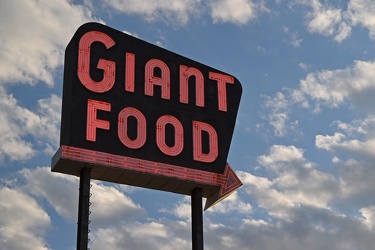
[303,145]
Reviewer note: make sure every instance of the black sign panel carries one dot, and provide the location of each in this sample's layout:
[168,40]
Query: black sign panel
[127,97]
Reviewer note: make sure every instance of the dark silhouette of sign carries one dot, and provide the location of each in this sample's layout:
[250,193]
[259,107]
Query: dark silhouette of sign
[141,115]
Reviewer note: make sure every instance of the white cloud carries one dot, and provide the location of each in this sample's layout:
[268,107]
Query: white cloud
[47,128]
[294,38]
[277,114]
[332,88]
[231,204]
[181,12]
[356,181]
[338,23]
[18,122]
[368,214]
[327,21]
[356,138]
[360,126]
[234,11]
[169,10]
[152,235]
[352,148]
[353,86]
[14,118]
[292,181]
[33,35]
[181,210]
[23,222]
[305,203]
[327,142]
[109,204]
[304,227]
[61,191]
[362,12]
[304,66]
[281,153]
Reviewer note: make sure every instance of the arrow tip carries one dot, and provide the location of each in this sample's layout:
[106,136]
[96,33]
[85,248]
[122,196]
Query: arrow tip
[230,184]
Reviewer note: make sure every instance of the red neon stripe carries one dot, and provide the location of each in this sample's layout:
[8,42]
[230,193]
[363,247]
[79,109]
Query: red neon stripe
[198,155]
[144,166]
[221,88]
[150,80]
[92,122]
[178,146]
[109,67]
[185,74]
[123,128]
[129,72]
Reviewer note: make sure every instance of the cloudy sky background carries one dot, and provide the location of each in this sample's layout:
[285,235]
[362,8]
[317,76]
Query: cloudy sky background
[304,143]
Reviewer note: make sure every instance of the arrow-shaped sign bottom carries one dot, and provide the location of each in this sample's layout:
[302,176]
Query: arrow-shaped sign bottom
[148,174]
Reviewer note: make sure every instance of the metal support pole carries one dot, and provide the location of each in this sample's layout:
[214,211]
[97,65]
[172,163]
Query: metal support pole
[197,219]
[83,209]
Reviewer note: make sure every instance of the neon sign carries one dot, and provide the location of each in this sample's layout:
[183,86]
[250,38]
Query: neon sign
[125,100]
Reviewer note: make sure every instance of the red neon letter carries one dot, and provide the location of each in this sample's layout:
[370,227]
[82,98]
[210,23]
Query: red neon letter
[92,122]
[221,88]
[123,128]
[151,80]
[198,127]
[185,73]
[178,135]
[84,62]
[129,72]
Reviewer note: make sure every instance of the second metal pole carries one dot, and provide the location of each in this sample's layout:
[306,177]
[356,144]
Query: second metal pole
[197,219]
